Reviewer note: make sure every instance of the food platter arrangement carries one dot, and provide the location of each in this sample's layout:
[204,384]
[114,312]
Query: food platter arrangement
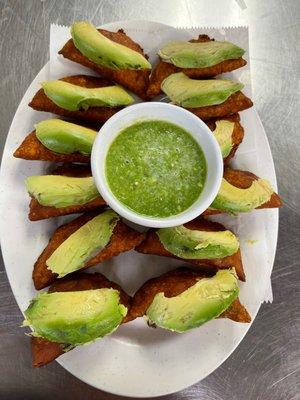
[120,304]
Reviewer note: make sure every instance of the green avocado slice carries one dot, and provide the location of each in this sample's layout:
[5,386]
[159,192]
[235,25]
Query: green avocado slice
[194,244]
[75,318]
[103,51]
[61,191]
[64,137]
[223,134]
[232,199]
[74,98]
[205,300]
[83,244]
[193,93]
[199,55]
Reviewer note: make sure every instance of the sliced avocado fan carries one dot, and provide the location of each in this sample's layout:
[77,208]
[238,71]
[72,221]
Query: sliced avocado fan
[61,191]
[75,318]
[205,300]
[223,134]
[193,93]
[64,137]
[232,199]
[194,244]
[74,98]
[199,55]
[103,51]
[83,244]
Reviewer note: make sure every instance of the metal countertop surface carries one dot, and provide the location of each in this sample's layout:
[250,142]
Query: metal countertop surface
[266,365]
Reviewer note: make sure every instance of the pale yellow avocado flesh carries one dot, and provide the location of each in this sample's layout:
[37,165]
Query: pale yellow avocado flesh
[103,51]
[223,134]
[75,318]
[193,93]
[199,54]
[196,244]
[74,98]
[232,199]
[83,244]
[65,137]
[205,300]
[61,191]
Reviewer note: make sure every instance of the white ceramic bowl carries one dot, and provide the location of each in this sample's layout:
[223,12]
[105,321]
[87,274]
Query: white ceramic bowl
[176,115]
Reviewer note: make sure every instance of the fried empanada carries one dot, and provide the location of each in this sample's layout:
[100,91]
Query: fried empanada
[79,171]
[123,239]
[38,212]
[237,134]
[164,69]
[43,351]
[174,283]
[32,149]
[235,103]
[41,102]
[243,180]
[152,245]
[135,80]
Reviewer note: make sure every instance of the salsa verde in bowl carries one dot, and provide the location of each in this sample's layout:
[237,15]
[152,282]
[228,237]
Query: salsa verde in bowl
[156,164]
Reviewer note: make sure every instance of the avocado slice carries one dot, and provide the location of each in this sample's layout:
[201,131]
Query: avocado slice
[205,300]
[199,54]
[103,51]
[83,244]
[232,199]
[61,191]
[64,137]
[193,93]
[194,244]
[75,318]
[74,98]
[223,133]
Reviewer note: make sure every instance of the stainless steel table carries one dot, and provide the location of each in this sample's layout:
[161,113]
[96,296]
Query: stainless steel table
[266,365]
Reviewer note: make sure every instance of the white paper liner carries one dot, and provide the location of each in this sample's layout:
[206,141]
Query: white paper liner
[129,269]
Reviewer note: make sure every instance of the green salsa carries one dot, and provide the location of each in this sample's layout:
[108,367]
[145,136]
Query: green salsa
[155,168]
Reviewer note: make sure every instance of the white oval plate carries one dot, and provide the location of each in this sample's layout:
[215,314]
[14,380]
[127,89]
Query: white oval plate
[137,361]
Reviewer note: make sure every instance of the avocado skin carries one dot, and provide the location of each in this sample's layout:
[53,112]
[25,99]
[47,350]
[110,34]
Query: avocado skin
[199,55]
[64,137]
[103,51]
[202,302]
[195,244]
[75,318]
[193,93]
